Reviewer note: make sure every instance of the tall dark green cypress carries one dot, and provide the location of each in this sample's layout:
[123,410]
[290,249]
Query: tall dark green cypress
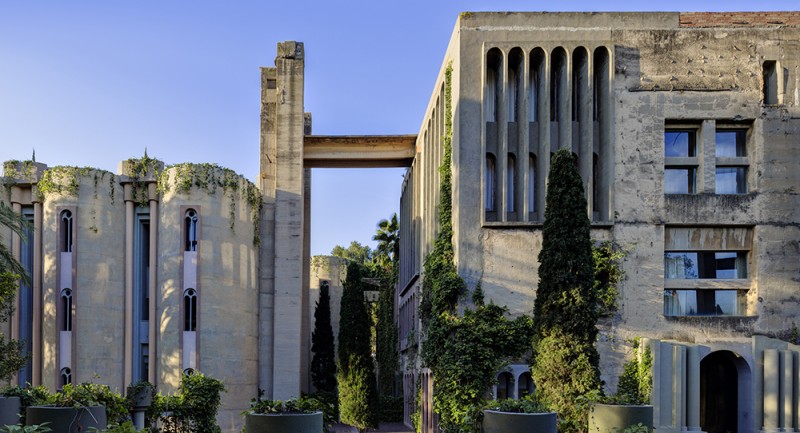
[358,393]
[565,309]
[323,364]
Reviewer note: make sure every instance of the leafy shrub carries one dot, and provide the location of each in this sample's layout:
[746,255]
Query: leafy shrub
[523,405]
[194,408]
[28,396]
[356,402]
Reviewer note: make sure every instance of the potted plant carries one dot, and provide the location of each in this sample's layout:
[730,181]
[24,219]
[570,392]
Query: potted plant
[630,406]
[303,415]
[517,416]
[77,408]
[16,400]
[139,394]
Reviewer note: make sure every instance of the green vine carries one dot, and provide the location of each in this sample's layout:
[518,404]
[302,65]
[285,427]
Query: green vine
[66,180]
[608,272]
[142,171]
[15,171]
[181,178]
[636,381]
[464,351]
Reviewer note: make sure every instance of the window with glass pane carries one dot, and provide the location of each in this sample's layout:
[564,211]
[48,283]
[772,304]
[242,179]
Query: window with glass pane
[704,302]
[731,143]
[679,180]
[679,143]
[731,180]
[705,265]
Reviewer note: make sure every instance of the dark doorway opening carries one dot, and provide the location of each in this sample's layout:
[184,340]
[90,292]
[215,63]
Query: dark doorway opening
[719,393]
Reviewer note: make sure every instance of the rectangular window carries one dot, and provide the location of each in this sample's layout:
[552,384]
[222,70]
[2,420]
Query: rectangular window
[731,162]
[680,161]
[704,302]
[704,265]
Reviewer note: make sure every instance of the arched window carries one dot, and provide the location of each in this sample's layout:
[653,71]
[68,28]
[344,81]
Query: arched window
[505,385]
[558,82]
[511,180]
[66,231]
[532,183]
[190,228]
[524,385]
[491,182]
[188,371]
[190,310]
[66,307]
[493,92]
[516,60]
[66,376]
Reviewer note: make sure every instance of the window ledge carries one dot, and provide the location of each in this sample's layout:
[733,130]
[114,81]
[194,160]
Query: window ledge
[736,323]
[708,283]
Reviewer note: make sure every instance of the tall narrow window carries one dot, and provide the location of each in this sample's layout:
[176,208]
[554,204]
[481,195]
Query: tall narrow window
[511,180]
[190,310]
[141,294]
[515,87]
[532,183]
[731,162]
[680,167]
[491,182]
[66,307]
[494,80]
[580,88]
[66,231]
[535,86]
[769,70]
[600,85]
[190,228]
[558,82]
[595,184]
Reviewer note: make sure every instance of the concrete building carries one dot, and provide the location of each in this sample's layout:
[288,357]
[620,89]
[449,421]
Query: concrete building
[683,125]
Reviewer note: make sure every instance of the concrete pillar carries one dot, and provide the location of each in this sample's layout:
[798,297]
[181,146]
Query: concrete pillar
[36,288]
[679,386]
[16,250]
[153,322]
[796,393]
[706,155]
[693,389]
[787,411]
[128,362]
[771,391]
[288,246]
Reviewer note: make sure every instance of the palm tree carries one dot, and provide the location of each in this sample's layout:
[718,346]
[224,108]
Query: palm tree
[15,222]
[388,237]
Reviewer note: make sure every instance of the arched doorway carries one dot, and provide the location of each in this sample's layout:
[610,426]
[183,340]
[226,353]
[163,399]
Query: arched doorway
[722,374]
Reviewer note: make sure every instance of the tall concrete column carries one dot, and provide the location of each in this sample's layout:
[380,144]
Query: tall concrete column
[36,288]
[693,388]
[787,412]
[771,391]
[153,321]
[679,386]
[127,376]
[288,247]
[16,251]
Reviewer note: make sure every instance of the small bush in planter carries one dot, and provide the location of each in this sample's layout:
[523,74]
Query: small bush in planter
[300,406]
[92,394]
[29,396]
[517,416]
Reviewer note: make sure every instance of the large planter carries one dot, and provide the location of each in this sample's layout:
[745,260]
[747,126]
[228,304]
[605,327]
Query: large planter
[507,422]
[614,418]
[283,423]
[67,419]
[9,410]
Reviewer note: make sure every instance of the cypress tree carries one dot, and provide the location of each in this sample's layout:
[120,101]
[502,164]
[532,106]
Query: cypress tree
[323,364]
[565,364]
[358,393]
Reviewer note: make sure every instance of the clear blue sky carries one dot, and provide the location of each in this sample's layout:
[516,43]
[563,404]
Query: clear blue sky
[93,83]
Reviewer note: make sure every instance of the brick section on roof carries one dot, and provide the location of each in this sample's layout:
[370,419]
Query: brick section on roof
[740,19]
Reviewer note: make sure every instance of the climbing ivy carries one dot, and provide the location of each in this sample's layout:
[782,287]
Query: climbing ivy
[464,351]
[141,171]
[211,178]
[66,180]
[608,272]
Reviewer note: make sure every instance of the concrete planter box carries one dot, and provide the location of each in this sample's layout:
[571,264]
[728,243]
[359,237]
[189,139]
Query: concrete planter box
[283,423]
[508,422]
[613,418]
[67,419]
[9,410]
[142,398]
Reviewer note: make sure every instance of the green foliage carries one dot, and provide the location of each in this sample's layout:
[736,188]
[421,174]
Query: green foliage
[358,399]
[21,428]
[194,408]
[28,396]
[523,405]
[181,178]
[386,335]
[12,352]
[355,253]
[323,364]
[636,382]
[358,394]
[391,408]
[302,405]
[66,180]
[608,272]
[18,225]
[388,237]
[125,427]
[565,363]
[92,394]
[637,428]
